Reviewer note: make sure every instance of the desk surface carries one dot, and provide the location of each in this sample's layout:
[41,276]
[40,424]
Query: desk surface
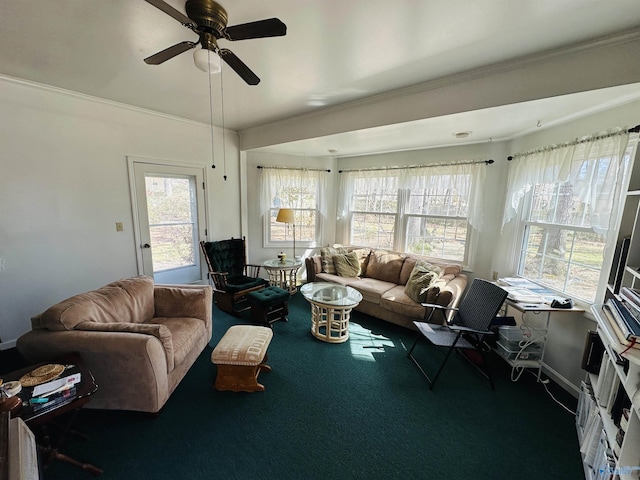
[540,307]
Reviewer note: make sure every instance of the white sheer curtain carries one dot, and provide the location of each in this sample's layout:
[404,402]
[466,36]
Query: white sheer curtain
[467,178]
[387,183]
[310,186]
[593,165]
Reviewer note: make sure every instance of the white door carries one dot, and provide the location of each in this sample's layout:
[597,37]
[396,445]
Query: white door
[169,212]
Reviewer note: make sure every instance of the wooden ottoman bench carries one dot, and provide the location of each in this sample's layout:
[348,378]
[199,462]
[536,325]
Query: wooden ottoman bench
[240,356]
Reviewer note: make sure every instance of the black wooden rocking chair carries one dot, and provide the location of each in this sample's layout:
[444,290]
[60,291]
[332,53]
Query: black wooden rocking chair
[467,329]
[232,278]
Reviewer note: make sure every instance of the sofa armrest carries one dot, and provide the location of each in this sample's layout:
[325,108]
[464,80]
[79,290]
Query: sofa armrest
[313,266]
[130,369]
[195,301]
[160,332]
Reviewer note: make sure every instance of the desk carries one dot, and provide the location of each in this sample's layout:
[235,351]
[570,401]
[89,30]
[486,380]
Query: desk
[535,309]
[283,274]
[41,417]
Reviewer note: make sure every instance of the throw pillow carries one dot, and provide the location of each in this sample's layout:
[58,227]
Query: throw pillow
[326,256]
[423,276]
[347,264]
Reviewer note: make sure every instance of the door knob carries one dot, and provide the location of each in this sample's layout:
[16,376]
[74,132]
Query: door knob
[146,245]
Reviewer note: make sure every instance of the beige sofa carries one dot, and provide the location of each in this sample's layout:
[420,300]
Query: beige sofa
[138,339]
[382,281]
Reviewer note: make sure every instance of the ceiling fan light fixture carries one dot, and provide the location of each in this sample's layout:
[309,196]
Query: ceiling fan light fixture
[207,61]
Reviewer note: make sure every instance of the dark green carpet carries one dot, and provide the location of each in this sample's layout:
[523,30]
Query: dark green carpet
[351,411]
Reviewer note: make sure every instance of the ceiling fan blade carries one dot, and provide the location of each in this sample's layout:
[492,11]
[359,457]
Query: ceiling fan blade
[169,10]
[271,27]
[239,67]
[169,53]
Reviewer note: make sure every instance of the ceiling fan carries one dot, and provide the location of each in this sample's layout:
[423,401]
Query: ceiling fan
[208,19]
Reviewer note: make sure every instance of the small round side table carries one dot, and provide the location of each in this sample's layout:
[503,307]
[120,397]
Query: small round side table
[283,274]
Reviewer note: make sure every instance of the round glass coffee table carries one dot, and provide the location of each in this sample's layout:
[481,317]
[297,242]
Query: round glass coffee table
[331,306]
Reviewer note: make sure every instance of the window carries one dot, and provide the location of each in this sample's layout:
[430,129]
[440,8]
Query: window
[374,211]
[568,214]
[423,210]
[436,220]
[300,190]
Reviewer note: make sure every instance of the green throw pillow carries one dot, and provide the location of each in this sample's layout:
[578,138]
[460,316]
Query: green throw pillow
[326,257]
[347,264]
[423,276]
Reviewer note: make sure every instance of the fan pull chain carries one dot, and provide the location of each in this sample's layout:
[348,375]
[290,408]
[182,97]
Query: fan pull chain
[224,151]
[213,163]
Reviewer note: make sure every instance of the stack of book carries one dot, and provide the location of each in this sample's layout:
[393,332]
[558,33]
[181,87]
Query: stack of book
[623,312]
[594,447]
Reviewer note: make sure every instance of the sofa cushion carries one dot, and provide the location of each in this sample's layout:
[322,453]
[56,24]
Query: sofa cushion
[186,332]
[328,277]
[347,264]
[326,256]
[422,277]
[371,289]
[397,301]
[385,266]
[129,300]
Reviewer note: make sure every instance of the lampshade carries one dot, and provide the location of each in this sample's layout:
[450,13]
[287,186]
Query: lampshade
[207,61]
[285,215]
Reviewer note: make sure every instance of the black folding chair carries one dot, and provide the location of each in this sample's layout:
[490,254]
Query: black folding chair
[467,329]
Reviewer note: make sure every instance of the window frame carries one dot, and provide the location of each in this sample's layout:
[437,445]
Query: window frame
[523,225]
[269,241]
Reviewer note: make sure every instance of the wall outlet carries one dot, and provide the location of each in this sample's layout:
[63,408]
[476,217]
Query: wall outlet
[2,264]
[495,275]
[119,227]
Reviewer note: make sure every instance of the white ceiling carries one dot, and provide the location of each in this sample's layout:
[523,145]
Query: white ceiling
[335,51]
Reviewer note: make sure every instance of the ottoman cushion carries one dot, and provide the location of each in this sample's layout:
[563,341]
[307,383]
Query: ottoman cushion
[242,345]
[268,297]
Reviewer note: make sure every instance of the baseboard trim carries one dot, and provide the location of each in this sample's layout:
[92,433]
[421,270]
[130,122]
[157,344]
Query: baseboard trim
[7,345]
[561,380]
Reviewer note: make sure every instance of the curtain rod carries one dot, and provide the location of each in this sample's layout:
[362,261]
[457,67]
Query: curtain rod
[374,169]
[296,168]
[635,129]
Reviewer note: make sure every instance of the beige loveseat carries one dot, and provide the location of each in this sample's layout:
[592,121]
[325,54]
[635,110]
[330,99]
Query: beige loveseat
[138,339]
[382,282]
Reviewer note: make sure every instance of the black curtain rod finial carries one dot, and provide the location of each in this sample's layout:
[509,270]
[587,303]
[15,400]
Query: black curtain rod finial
[509,158]
[489,162]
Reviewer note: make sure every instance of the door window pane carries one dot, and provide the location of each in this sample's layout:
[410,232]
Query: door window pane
[172,221]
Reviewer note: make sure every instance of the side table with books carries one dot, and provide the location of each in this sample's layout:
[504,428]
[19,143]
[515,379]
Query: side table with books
[47,391]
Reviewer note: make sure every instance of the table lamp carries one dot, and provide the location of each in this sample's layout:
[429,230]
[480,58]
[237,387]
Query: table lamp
[286,215]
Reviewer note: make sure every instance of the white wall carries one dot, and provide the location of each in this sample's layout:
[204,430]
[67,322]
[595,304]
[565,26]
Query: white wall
[64,183]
